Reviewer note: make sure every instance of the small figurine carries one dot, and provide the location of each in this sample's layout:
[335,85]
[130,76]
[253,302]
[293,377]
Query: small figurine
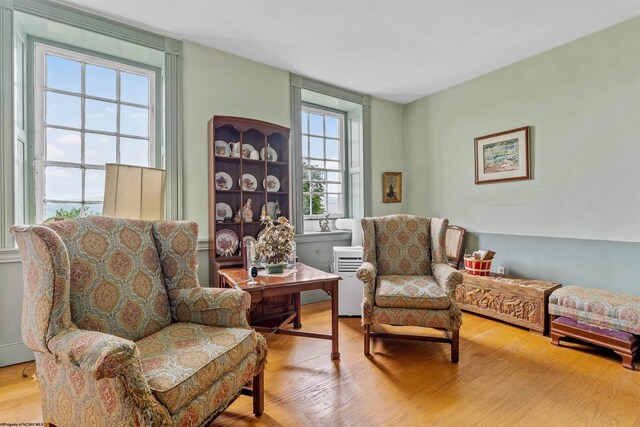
[324,223]
[227,252]
[276,210]
[236,218]
[247,213]
[263,215]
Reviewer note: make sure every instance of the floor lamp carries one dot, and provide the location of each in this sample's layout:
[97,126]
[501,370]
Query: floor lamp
[134,192]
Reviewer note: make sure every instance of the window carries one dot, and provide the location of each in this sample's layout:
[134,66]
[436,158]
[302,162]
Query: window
[88,111]
[323,162]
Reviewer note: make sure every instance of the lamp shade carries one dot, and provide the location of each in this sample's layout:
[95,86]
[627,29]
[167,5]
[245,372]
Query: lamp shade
[134,192]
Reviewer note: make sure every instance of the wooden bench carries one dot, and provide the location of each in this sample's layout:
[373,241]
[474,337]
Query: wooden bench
[596,316]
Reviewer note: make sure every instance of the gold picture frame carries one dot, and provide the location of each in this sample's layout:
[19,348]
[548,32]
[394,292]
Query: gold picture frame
[392,187]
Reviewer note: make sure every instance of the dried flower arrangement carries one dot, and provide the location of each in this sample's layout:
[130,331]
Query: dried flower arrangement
[276,243]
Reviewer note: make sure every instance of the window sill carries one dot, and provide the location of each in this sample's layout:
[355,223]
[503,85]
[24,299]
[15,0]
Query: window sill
[320,236]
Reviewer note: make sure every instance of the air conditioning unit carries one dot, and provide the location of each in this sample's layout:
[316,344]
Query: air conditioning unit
[346,261]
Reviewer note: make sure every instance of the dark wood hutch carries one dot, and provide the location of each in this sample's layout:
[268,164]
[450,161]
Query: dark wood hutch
[260,136]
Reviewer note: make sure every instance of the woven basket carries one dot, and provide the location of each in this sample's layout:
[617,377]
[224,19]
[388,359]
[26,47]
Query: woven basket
[477,267]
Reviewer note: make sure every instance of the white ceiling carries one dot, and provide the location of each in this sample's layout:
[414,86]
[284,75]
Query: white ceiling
[399,50]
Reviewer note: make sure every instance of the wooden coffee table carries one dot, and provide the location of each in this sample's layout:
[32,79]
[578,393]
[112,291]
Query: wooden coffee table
[304,278]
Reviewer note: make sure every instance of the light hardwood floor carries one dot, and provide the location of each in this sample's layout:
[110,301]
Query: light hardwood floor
[507,376]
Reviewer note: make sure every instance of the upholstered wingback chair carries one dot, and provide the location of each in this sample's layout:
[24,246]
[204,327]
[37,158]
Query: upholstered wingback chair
[407,278]
[122,332]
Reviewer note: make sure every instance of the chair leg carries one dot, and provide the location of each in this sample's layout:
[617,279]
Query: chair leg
[258,394]
[455,345]
[367,339]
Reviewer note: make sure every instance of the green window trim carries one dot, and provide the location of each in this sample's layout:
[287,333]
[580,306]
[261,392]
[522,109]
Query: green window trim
[171,88]
[298,83]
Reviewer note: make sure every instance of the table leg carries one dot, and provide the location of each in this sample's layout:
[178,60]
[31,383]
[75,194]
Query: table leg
[334,322]
[297,324]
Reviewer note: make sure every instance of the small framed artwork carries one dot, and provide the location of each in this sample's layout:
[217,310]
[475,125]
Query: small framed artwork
[502,156]
[391,187]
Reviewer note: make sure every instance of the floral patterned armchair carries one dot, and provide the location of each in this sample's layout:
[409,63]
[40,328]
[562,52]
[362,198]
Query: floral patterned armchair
[407,278]
[122,332]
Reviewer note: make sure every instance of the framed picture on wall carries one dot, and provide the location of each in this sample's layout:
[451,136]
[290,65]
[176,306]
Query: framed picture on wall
[391,187]
[502,156]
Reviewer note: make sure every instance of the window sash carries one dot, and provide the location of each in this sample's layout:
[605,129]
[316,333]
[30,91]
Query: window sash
[341,161]
[40,92]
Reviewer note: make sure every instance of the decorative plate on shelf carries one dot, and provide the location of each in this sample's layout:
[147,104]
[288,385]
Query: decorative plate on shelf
[248,182]
[246,151]
[226,242]
[273,156]
[222,148]
[223,181]
[271,183]
[223,211]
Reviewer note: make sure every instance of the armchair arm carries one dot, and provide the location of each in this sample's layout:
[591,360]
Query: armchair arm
[367,274]
[447,277]
[100,355]
[210,306]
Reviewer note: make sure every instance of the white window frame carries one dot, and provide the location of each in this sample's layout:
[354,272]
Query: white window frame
[342,149]
[41,50]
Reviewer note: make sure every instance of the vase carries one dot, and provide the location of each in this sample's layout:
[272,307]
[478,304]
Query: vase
[275,268]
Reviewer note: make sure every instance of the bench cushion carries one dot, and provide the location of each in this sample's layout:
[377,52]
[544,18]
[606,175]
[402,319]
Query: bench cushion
[597,307]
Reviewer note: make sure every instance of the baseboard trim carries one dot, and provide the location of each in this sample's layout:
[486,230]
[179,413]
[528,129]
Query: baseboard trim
[13,353]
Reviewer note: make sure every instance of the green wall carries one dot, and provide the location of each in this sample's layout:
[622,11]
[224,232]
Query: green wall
[577,220]
[583,102]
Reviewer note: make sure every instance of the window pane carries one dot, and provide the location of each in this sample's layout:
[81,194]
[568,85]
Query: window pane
[63,183]
[334,188]
[305,146]
[316,163]
[92,209]
[317,186]
[333,165]
[62,209]
[306,205]
[334,176]
[317,175]
[316,148]
[134,151]
[99,149]
[134,121]
[305,122]
[315,124]
[134,88]
[63,110]
[318,204]
[63,74]
[334,203]
[333,149]
[331,127]
[100,81]
[93,184]
[100,115]
[63,145]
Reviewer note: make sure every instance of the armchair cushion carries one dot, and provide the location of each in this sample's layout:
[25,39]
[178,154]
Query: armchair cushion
[105,253]
[410,292]
[182,360]
[402,245]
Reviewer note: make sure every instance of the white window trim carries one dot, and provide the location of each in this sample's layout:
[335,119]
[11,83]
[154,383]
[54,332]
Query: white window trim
[40,52]
[343,151]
